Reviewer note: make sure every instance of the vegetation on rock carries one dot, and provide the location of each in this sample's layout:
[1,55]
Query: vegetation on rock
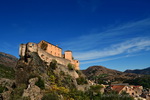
[40,83]
[6,72]
[70,66]
[143,81]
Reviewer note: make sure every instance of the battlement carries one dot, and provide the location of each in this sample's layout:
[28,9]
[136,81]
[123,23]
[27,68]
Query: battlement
[47,52]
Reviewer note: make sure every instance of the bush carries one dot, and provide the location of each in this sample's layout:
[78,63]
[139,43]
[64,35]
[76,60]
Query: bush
[40,83]
[44,46]
[96,88]
[3,88]
[81,81]
[52,79]
[50,96]
[7,72]
[17,93]
[62,73]
[79,72]
[53,64]
[70,67]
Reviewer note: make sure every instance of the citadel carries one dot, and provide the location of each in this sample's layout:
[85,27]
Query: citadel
[47,52]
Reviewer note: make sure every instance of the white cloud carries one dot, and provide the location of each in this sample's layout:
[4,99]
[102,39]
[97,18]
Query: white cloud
[116,34]
[121,40]
[129,46]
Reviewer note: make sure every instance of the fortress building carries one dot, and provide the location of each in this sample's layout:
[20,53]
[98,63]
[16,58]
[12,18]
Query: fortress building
[47,52]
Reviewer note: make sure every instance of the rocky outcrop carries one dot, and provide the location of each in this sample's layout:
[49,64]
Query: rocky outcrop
[30,65]
[8,86]
[33,91]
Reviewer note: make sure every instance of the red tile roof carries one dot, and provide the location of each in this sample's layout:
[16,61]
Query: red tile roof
[118,88]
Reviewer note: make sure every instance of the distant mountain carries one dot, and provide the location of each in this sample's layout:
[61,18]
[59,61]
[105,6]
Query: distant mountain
[8,60]
[107,74]
[145,71]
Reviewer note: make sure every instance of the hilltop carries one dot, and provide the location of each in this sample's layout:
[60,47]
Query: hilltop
[8,60]
[105,74]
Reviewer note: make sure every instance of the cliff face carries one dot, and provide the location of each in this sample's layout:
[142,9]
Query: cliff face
[53,78]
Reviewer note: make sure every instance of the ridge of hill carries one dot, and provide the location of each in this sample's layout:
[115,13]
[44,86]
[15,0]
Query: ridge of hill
[145,71]
[103,73]
[8,60]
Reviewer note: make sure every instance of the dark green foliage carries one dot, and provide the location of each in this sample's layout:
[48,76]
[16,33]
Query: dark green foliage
[79,72]
[96,88]
[81,81]
[3,88]
[25,98]
[44,46]
[40,83]
[78,95]
[53,64]
[6,72]
[17,93]
[70,67]
[62,73]
[68,82]
[107,96]
[100,79]
[50,96]
[143,81]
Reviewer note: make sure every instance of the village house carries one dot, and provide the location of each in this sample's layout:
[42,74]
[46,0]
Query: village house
[135,91]
[47,52]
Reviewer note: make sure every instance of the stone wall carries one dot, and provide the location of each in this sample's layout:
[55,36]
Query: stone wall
[48,57]
[50,48]
[22,49]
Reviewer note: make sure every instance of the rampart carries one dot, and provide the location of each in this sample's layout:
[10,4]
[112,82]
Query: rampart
[46,56]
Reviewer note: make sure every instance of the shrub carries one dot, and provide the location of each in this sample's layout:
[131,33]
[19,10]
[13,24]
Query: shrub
[44,46]
[3,88]
[52,79]
[40,83]
[70,67]
[50,96]
[79,72]
[17,93]
[53,64]
[96,88]
[6,72]
[81,81]
[62,73]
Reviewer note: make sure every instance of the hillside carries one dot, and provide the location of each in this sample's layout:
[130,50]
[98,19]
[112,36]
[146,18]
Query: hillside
[102,73]
[145,71]
[35,80]
[8,60]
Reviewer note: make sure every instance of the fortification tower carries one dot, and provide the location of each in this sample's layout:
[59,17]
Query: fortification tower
[68,55]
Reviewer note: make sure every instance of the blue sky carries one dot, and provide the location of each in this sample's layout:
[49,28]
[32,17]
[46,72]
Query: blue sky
[111,33]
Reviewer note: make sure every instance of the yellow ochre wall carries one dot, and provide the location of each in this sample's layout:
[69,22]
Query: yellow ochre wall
[51,49]
[68,55]
[56,51]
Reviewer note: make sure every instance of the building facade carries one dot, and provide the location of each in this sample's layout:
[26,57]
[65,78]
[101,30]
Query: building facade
[47,52]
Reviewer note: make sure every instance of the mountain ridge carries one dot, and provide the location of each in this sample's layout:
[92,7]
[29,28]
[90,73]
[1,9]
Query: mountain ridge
[108,74]
[145,71]
[8,60]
